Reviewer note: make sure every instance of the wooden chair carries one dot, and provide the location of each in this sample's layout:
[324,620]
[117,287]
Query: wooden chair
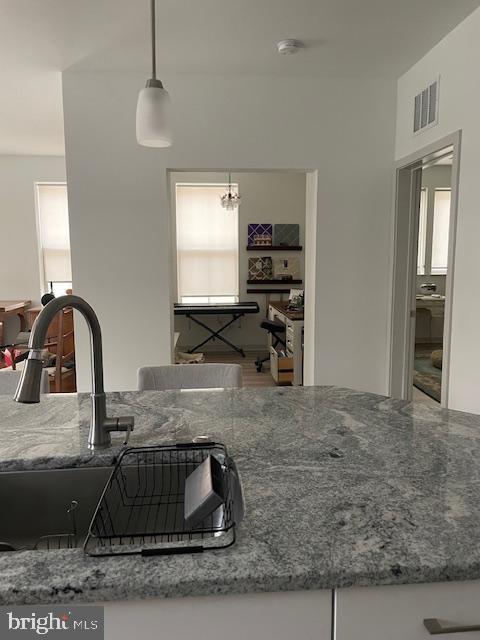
[61,341]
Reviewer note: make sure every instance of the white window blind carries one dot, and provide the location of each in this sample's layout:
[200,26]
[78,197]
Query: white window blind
[422,233]
[54,235]
[207,245]
[441,225]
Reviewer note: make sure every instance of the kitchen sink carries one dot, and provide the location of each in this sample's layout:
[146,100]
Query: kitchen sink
[142,505]
[48,509]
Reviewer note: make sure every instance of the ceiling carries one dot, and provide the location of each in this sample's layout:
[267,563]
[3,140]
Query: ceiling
[40,38]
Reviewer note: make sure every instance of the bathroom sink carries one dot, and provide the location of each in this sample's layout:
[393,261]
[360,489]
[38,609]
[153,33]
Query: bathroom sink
[43,509]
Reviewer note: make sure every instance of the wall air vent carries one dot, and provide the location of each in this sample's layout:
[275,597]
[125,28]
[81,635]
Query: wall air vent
[425,112]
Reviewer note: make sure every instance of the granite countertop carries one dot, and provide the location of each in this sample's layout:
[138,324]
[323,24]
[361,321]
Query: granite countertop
[342,488]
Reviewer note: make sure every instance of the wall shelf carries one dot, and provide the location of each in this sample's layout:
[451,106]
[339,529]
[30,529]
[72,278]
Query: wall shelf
[272,247]
[277,281]
[266,291]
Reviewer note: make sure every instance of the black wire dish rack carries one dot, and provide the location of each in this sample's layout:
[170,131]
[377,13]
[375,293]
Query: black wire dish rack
[141,510]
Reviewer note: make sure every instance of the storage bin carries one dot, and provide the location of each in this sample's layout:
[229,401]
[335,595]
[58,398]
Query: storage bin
[281,367]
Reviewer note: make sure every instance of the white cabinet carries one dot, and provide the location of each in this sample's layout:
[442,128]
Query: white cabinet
[362,613]
[298,615]
[397,613]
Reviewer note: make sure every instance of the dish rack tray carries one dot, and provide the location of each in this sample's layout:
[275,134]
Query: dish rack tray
[141,510]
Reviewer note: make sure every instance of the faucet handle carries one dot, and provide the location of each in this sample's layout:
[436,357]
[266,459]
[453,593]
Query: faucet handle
[125,423]
[122,423]
[127,436]
[104,427]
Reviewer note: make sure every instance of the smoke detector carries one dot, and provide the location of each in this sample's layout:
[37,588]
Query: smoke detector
[289,46]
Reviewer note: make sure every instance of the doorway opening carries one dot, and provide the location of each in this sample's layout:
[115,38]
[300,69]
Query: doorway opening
[238,269]
[430,281]
[424,250]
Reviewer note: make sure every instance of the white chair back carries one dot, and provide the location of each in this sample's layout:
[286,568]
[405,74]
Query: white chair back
[189,376]
[9,380]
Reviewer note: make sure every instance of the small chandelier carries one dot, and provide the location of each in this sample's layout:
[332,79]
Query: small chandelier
[231,199]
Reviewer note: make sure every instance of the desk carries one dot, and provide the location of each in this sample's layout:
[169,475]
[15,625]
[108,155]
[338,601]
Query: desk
[236,310]
[293,321]
[434,308]
[10,308]
[436,304]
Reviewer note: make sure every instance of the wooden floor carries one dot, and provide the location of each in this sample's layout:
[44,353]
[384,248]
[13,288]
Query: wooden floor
[250,376]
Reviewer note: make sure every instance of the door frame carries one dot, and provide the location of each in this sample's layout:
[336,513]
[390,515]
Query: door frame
[407,181]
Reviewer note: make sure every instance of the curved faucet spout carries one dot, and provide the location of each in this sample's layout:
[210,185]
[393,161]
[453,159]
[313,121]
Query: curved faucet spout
[28,390]
[40,328]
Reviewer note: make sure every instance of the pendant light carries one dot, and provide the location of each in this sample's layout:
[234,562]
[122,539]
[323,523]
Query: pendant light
[153,106]
[231,199]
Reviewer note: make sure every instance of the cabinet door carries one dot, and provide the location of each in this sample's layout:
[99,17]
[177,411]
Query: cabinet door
[299,615]
[397,613]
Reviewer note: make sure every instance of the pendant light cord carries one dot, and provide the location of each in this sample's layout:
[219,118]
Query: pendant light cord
[154,52]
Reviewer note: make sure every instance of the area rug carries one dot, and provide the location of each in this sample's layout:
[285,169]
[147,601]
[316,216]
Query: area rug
[427,378]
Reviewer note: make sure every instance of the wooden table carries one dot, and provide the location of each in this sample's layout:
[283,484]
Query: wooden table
[283,308]
[12,308]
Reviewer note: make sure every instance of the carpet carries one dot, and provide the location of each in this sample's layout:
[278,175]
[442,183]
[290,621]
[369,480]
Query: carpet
[426,377]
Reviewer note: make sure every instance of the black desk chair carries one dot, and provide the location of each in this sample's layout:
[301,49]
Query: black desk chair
[274,329]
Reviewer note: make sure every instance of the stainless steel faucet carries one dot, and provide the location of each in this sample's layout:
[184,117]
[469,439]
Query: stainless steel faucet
[28,390]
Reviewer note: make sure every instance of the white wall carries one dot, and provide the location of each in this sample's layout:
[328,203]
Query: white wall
[452,59]
[118,204]
[267,196]
[19,258]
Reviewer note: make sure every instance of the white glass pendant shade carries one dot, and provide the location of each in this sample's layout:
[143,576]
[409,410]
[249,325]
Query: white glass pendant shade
[153,117]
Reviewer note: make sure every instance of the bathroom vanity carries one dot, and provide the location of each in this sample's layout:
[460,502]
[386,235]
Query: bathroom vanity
[362,517]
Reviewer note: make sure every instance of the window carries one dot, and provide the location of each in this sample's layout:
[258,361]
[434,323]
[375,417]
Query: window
[422,233]
[441,225]
[207,245]
[209,299]
[433,232]
[54,237]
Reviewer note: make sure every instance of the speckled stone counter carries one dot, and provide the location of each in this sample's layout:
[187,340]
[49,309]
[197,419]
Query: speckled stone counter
[342,488]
